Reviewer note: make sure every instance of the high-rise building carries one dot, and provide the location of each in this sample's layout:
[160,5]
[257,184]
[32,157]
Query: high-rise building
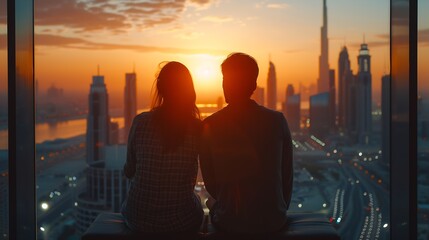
[258,96]
[344,70]
[106,187]
[385,118]
[272,87]
[293,112]
[130,101]
[350,114]
[363,96]
[319,119]
[323,81]
[332,106]
[291,107]
[97,128]
[289,91]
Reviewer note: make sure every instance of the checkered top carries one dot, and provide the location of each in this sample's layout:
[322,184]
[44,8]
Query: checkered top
[161,195]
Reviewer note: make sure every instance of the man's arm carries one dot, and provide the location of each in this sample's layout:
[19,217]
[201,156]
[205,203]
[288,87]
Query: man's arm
[287,164]
[206,163]
[130,164]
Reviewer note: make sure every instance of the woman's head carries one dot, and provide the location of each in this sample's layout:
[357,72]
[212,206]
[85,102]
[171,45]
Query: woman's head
[174,103]
[174,87]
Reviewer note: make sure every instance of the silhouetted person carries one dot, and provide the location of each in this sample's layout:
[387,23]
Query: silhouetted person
[246,156]
[162,158]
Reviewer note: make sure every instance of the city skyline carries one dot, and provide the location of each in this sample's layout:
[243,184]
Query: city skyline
[291,39]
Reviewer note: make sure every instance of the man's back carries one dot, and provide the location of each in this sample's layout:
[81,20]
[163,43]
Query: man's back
[246,160]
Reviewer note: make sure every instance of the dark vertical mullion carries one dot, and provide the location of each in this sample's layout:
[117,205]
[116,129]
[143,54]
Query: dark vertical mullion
[22,199]
[413,118]
[403,146]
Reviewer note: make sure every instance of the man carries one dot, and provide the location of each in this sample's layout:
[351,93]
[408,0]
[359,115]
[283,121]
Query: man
[246,156]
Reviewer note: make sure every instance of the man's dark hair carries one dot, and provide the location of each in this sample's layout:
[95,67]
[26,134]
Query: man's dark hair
[240,72]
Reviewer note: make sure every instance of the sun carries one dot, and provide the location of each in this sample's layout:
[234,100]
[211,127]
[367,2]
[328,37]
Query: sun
[205,70]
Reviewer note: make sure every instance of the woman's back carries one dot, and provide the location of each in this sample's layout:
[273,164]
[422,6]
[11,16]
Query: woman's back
[161,196]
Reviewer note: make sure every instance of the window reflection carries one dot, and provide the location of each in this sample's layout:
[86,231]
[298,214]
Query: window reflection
[423,121]
[4,188]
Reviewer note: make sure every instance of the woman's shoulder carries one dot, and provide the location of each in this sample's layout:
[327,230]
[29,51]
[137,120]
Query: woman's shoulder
[144,116]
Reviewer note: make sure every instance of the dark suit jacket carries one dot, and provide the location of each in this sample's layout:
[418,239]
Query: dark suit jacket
[246,161]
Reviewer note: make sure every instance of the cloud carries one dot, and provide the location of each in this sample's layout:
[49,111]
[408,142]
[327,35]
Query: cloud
[217,19]
[49,40]
[116,16]
[78,15]
[277,5]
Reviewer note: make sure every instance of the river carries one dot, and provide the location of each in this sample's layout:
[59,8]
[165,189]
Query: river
[56,130]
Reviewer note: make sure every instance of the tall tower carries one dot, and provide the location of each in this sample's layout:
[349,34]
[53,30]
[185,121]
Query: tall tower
[97,128]
[323,81]
[332,93]
[343,72]
[272,87]
[130,101]
[363,96]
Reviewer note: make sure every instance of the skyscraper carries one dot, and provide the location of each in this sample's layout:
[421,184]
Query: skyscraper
[293,112]
[323,81]
[343,73]
[350,114]
[289,92]
[272,87]
[97,128]
[258,96]
[130,101]
[363,96]
[385,118]
[105,182]
[332,106]
[106,187]
[319,119]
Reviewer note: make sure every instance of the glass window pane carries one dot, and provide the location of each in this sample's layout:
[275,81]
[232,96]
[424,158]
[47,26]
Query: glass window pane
[4,196]
[88,70]
[423,120]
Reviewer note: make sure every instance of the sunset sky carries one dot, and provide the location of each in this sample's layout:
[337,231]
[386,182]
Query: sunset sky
[72,37]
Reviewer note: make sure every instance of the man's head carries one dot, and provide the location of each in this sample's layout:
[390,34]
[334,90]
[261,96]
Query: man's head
[240,72]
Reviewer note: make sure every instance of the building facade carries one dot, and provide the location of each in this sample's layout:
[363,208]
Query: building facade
[319,115]
[98,121]
[344,71]
[130,101]
[272,87]
[323,81]
[293,112]
[364,96]
[106,187]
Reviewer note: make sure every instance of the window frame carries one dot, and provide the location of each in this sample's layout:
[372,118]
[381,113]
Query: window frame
[21,112]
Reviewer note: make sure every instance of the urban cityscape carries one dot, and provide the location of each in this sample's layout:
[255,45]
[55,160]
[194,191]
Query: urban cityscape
[340,137]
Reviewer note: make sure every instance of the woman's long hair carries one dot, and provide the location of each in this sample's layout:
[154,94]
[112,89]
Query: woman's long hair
[174,103]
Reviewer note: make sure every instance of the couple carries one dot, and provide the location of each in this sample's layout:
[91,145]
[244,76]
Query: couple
[245,153]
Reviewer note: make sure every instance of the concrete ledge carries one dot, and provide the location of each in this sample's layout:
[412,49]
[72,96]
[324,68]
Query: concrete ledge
[111,226]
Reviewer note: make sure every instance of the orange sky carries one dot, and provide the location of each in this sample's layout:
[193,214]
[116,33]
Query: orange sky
[72,39]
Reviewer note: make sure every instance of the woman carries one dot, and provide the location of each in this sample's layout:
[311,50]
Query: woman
[162,158]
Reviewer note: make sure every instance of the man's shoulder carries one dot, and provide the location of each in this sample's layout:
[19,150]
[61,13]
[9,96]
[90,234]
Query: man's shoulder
[216,116]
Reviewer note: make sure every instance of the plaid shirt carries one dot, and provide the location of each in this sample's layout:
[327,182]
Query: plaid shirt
[161,195]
